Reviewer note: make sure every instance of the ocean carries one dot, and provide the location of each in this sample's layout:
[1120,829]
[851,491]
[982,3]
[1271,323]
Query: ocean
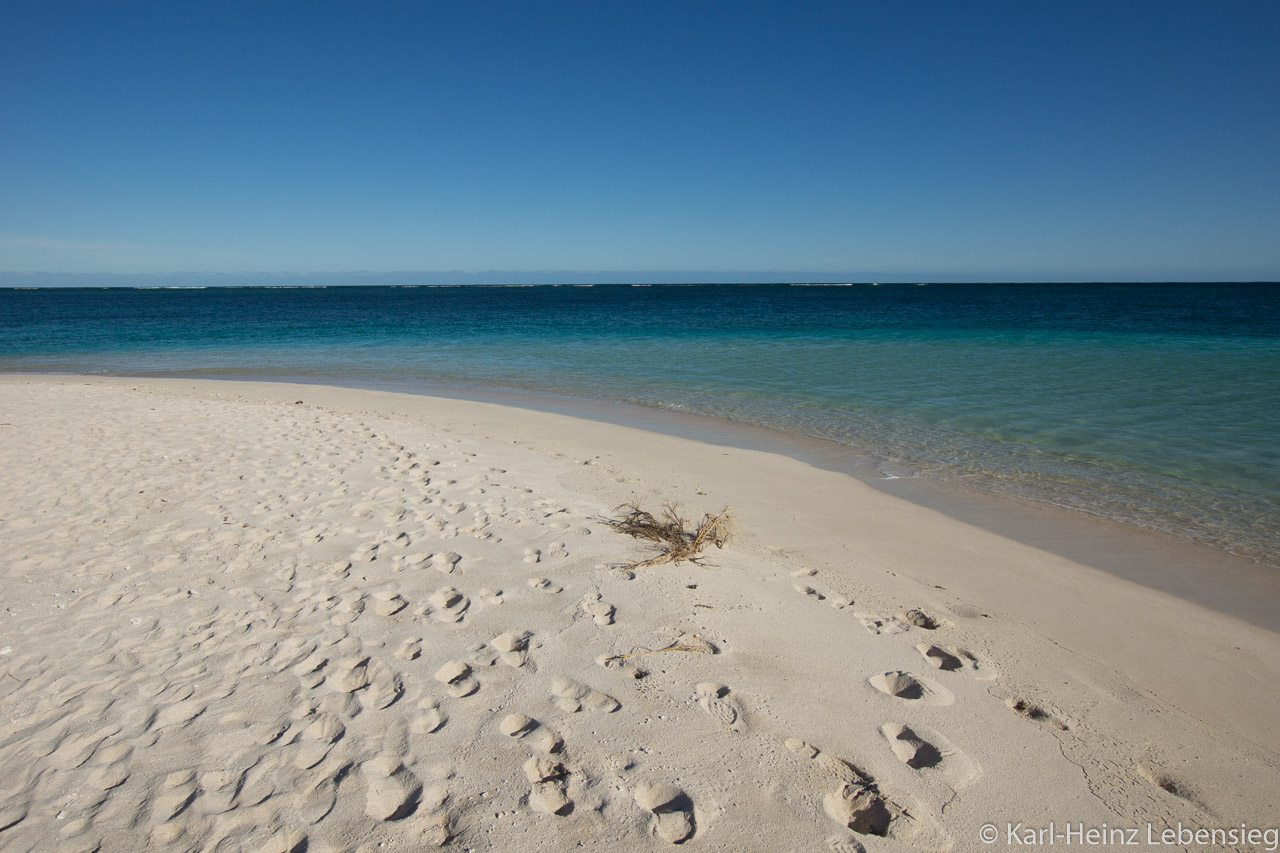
[1155,405]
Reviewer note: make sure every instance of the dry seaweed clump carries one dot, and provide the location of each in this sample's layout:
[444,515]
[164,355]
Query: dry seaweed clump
[670,533]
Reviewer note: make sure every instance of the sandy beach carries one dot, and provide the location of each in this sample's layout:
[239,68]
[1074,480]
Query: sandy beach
[262,616]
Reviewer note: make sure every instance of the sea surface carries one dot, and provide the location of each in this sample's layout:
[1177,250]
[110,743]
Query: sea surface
[1152,404]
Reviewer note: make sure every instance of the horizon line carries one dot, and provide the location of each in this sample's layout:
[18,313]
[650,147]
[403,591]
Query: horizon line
[33,279]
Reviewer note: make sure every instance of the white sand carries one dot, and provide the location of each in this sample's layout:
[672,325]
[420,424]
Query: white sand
[371,621]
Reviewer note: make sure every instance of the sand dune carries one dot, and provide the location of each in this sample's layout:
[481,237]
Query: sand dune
[285,618]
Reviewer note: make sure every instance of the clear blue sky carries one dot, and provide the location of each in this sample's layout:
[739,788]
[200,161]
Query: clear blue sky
[866,141]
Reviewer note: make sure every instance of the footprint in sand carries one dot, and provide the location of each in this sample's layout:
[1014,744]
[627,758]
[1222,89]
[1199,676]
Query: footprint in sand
[716,700]
[325,728]
[482,655]
[953,659]
[349,674]
[572,696]
[532,555]
[939,657]
[112,766]
[448,605]
[855,802]
[176,793]
[1038,714]
[388,602]
[1167,783]
[446,563]
[517,725]
[549,779]
[218,791]
[921,748]
[341,704]
[290,653]
[317,797]
[457,678]
[434,827]
[430,718]
[310,671]
[391,792]
[545,584]
[834,766]
[601,612]
[860,808]
[805,589]
[532,732]
[410,649]
[348,610]
[385,687]
[414,562]
[557,549]
[920,619]
[911,749]
[311,753]
[265,734]
[512,647]
[671,808]
[906,685]
[877,625]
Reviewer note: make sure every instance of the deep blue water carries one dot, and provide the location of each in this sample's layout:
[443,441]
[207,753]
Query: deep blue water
[1153,404]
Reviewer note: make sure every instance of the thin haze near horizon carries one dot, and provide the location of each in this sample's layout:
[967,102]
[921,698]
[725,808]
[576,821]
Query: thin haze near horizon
[505,141]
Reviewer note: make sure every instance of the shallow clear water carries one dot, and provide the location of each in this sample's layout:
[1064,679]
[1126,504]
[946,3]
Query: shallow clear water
[1151,404]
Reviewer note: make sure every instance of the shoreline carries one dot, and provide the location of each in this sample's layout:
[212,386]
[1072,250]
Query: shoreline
[1241,586]
[235,574]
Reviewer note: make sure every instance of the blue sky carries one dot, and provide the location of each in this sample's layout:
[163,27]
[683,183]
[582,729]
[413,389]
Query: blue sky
[502,140]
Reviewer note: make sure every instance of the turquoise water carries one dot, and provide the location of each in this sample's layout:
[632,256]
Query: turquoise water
[1156,405]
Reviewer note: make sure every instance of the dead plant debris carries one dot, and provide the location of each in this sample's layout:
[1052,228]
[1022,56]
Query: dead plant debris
[670,533]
